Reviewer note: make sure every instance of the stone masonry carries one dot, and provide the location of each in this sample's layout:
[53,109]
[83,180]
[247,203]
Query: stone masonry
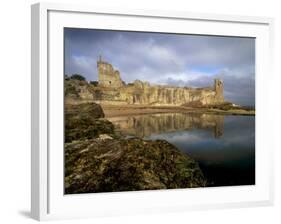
[108,77]
[112,90]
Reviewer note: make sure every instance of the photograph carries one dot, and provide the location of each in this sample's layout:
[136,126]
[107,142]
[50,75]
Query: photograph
[155,111]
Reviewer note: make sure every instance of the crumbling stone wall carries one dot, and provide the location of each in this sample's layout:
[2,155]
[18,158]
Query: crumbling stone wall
[108,77]
[144,93]
[219,90]
[111,88]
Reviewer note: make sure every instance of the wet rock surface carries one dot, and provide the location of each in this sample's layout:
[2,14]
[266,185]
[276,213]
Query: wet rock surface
[85,121]
[97,159]
[127,164]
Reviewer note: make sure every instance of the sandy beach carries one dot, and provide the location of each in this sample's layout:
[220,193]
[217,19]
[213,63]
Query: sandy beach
[126,110]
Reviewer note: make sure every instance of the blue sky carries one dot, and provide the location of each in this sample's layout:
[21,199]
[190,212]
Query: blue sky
[173,59]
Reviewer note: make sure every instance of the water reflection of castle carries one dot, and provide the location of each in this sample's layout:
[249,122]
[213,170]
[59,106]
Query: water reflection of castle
[146,125]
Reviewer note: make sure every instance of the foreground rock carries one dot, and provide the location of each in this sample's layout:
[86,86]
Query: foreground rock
[85,121]
[108,165]
[98,159]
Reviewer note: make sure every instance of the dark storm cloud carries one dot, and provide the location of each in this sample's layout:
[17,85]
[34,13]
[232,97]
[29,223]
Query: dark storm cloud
[190,60]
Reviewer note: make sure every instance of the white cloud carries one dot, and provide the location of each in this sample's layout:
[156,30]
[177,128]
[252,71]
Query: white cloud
[83,62]
[190,60]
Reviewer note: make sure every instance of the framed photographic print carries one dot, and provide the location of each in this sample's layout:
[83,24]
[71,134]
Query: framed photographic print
[148,111]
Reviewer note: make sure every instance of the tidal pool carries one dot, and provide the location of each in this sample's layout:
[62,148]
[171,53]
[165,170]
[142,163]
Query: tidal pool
[224,146]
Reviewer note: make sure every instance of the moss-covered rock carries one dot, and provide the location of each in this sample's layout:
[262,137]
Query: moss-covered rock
[76,90]
[110,165]
[84,111]
[98,159]
[85,121]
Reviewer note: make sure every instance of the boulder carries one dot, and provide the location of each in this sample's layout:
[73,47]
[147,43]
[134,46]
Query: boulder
[85,121]
[109,165]
[84,110]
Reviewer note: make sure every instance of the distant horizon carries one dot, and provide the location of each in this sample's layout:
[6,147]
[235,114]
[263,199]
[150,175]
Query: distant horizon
[166,59]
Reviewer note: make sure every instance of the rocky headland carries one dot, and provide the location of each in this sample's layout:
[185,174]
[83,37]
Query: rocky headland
[141,97]
[80,91]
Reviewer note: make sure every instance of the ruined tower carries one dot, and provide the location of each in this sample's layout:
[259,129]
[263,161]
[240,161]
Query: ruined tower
[218,87]
[108,77]
[113,89]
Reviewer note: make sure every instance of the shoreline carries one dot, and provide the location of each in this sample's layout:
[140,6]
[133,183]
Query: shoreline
[127,110]
[99,159]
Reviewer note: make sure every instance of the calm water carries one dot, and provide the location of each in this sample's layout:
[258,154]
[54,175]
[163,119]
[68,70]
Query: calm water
[224,146]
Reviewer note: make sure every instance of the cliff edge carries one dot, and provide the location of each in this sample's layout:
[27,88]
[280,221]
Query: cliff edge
[111,89]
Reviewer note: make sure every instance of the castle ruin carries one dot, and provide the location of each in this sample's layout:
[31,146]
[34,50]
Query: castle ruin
[108,77]
[112,90]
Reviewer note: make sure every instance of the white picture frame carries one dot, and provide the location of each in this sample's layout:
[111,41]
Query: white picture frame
[47,198]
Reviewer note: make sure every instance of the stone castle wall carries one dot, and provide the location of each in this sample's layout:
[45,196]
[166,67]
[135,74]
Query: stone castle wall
[108,77]
[111,88]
